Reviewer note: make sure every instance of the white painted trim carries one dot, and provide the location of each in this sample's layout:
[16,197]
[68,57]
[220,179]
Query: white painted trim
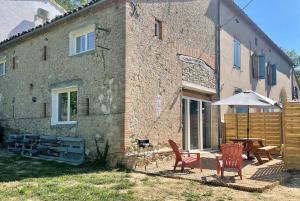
[197,87]
[200,126]
[54,94]
[79,32]
[200,123]
[3,61]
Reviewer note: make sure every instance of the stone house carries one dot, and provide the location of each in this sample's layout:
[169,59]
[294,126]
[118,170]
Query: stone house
[19,16]
[116,71]
[250,60]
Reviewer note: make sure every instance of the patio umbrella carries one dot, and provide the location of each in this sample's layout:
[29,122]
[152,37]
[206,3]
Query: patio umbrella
[247,98]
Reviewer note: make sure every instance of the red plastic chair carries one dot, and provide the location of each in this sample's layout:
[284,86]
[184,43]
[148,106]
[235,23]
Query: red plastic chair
[231,158]
[187,161]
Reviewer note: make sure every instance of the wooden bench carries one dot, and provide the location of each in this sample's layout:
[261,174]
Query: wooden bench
[267,150]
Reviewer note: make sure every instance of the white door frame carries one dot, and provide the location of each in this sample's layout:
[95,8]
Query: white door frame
[200,122]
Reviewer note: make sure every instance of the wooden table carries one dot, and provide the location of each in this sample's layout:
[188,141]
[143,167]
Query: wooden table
[249,147]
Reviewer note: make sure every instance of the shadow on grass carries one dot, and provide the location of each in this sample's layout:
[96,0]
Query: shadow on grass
[270,173]
[16,168]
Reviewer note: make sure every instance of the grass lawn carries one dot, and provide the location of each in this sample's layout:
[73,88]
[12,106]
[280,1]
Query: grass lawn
[28,179]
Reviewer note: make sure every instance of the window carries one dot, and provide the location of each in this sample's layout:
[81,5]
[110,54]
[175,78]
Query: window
[158,29]
[274,74]
[255,41]
[82,40]
[237,54]
[64,106]
[255,66]
[262,66]
[295,93]
[269,73]
[2,67]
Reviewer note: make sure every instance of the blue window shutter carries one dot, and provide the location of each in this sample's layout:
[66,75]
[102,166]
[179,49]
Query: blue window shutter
[237,54]
[274,72]
[262,67]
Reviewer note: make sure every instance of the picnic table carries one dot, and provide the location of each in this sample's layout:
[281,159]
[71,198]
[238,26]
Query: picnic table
[249,147]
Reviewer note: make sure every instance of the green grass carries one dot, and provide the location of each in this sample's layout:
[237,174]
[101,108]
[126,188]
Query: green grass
[27,179]
[194,196]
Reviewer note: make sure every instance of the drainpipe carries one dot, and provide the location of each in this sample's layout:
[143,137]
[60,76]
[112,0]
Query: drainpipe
[218,69]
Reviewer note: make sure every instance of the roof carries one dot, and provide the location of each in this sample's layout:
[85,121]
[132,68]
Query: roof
[242,14]
[50,23]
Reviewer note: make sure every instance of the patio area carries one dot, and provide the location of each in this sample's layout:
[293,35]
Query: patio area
[256,177]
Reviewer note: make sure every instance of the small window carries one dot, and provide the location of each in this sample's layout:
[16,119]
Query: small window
[2,67]
[64,105]
[237,54]
[255,41]
[158,29]
[82,40]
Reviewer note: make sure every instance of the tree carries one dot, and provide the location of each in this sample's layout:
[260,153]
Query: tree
[293,56]
[296,59]
[71,4]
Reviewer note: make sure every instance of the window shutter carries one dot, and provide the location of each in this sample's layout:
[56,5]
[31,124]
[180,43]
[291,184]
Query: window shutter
[274,72]
[269,74]
[237,54]
[255,66]
[262,67]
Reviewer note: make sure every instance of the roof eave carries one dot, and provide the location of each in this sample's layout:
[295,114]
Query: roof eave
[50,24]
[254,25]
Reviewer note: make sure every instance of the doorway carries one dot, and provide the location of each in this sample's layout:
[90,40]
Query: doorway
[196,119]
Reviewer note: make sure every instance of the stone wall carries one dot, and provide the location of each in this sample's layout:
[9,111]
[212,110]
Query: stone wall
[153,72]
[134,83]
[200,74]
[99,75]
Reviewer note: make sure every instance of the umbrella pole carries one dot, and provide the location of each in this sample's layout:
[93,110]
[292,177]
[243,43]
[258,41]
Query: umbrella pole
[248,114]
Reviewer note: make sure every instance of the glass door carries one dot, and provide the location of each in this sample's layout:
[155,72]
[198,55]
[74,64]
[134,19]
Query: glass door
[194,125]
[196,121]
[206,125]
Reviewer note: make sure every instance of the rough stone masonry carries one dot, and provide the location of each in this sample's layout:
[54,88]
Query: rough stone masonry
[130,74]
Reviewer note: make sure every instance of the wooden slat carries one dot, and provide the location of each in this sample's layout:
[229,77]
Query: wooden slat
[291,127]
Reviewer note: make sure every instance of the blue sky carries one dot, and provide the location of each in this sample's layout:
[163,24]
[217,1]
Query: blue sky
[279,19]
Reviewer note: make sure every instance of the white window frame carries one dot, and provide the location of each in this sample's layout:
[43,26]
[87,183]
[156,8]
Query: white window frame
[3,61]
[200,123]
[79,32]
[55,104]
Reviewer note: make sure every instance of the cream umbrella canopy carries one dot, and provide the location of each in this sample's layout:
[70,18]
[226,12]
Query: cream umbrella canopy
[247,98]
